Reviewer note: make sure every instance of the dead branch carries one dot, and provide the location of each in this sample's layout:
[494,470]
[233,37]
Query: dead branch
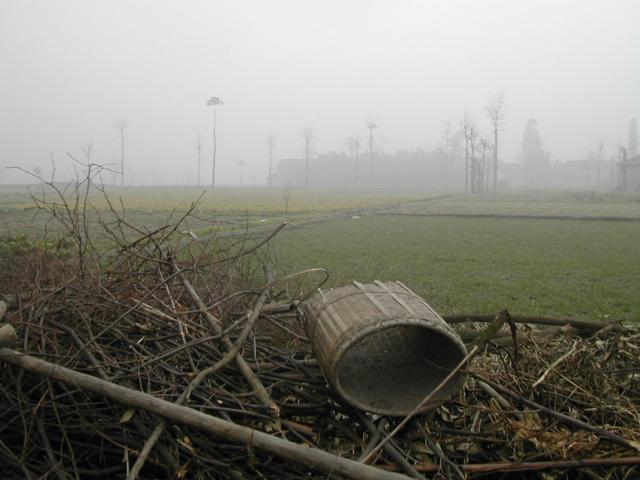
[558,322]
[532,466]
[562,417]
[311,457]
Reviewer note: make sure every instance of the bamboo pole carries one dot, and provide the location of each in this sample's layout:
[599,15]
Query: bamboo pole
[532,466]
[558,322]
[311,457]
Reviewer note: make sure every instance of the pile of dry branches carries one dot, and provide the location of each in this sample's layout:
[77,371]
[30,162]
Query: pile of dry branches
[198,327]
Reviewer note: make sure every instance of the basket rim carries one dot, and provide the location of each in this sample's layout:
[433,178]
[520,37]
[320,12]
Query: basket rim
[426,323]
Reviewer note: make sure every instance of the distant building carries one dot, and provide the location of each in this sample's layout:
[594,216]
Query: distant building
[629,180]
[403,169]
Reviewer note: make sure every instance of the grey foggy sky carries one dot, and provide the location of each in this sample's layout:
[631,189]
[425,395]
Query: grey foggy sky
[70,69]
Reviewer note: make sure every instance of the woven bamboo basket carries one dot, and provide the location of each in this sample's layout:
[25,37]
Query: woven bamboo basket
[381,346]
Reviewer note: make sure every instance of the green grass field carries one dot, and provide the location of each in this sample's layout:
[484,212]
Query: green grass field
[464,254]
[538,204]
[588,269]
[232,206]
[228,200]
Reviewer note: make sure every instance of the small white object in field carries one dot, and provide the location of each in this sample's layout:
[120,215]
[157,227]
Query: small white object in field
[262,220]
[355,217]
[190,233]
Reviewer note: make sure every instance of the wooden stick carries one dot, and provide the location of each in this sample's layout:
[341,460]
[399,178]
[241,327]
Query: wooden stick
[555,364]
[583,324]
[503,402]
[146,449]
[531,466]
[311,457]
[53,461]
[259,390]
[186,394]
[148,446]
[390,450]
[435,447]
[492,329]
[574,422]
[233,352]
[254,248]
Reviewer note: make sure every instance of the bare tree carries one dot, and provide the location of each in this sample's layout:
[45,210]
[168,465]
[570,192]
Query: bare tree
[446,138]
[307,136]
[353,143]
[600,149]
[495,111]
[241,164]
[271,144]
[121,125]
[214,102]
[483,169]
[198,147]
[87,151]
[622,157]
[286,197]
[475,170]
[468,131]
[371,126]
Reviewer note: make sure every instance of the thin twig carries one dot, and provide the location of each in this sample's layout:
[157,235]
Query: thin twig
[562,417]
[556,363]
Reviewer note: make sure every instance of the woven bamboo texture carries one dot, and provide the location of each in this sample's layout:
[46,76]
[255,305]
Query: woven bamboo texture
[381,346]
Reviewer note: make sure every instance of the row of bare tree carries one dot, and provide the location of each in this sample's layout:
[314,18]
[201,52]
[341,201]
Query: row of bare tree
[352,143]
[480,152]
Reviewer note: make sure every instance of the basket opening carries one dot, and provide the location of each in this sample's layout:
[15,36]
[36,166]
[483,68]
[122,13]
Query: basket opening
[393,368]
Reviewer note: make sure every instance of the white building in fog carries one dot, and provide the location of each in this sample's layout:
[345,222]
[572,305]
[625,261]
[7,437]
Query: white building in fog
[629,179]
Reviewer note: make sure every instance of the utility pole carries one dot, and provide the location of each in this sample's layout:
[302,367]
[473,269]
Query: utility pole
[371,126]
[214,102]
[121,125]
[271,143]
[307,136]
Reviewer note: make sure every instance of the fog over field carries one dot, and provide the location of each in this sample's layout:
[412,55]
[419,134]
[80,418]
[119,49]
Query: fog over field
[71,69]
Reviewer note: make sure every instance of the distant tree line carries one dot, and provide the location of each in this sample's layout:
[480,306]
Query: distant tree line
[467,158]
[419,168]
